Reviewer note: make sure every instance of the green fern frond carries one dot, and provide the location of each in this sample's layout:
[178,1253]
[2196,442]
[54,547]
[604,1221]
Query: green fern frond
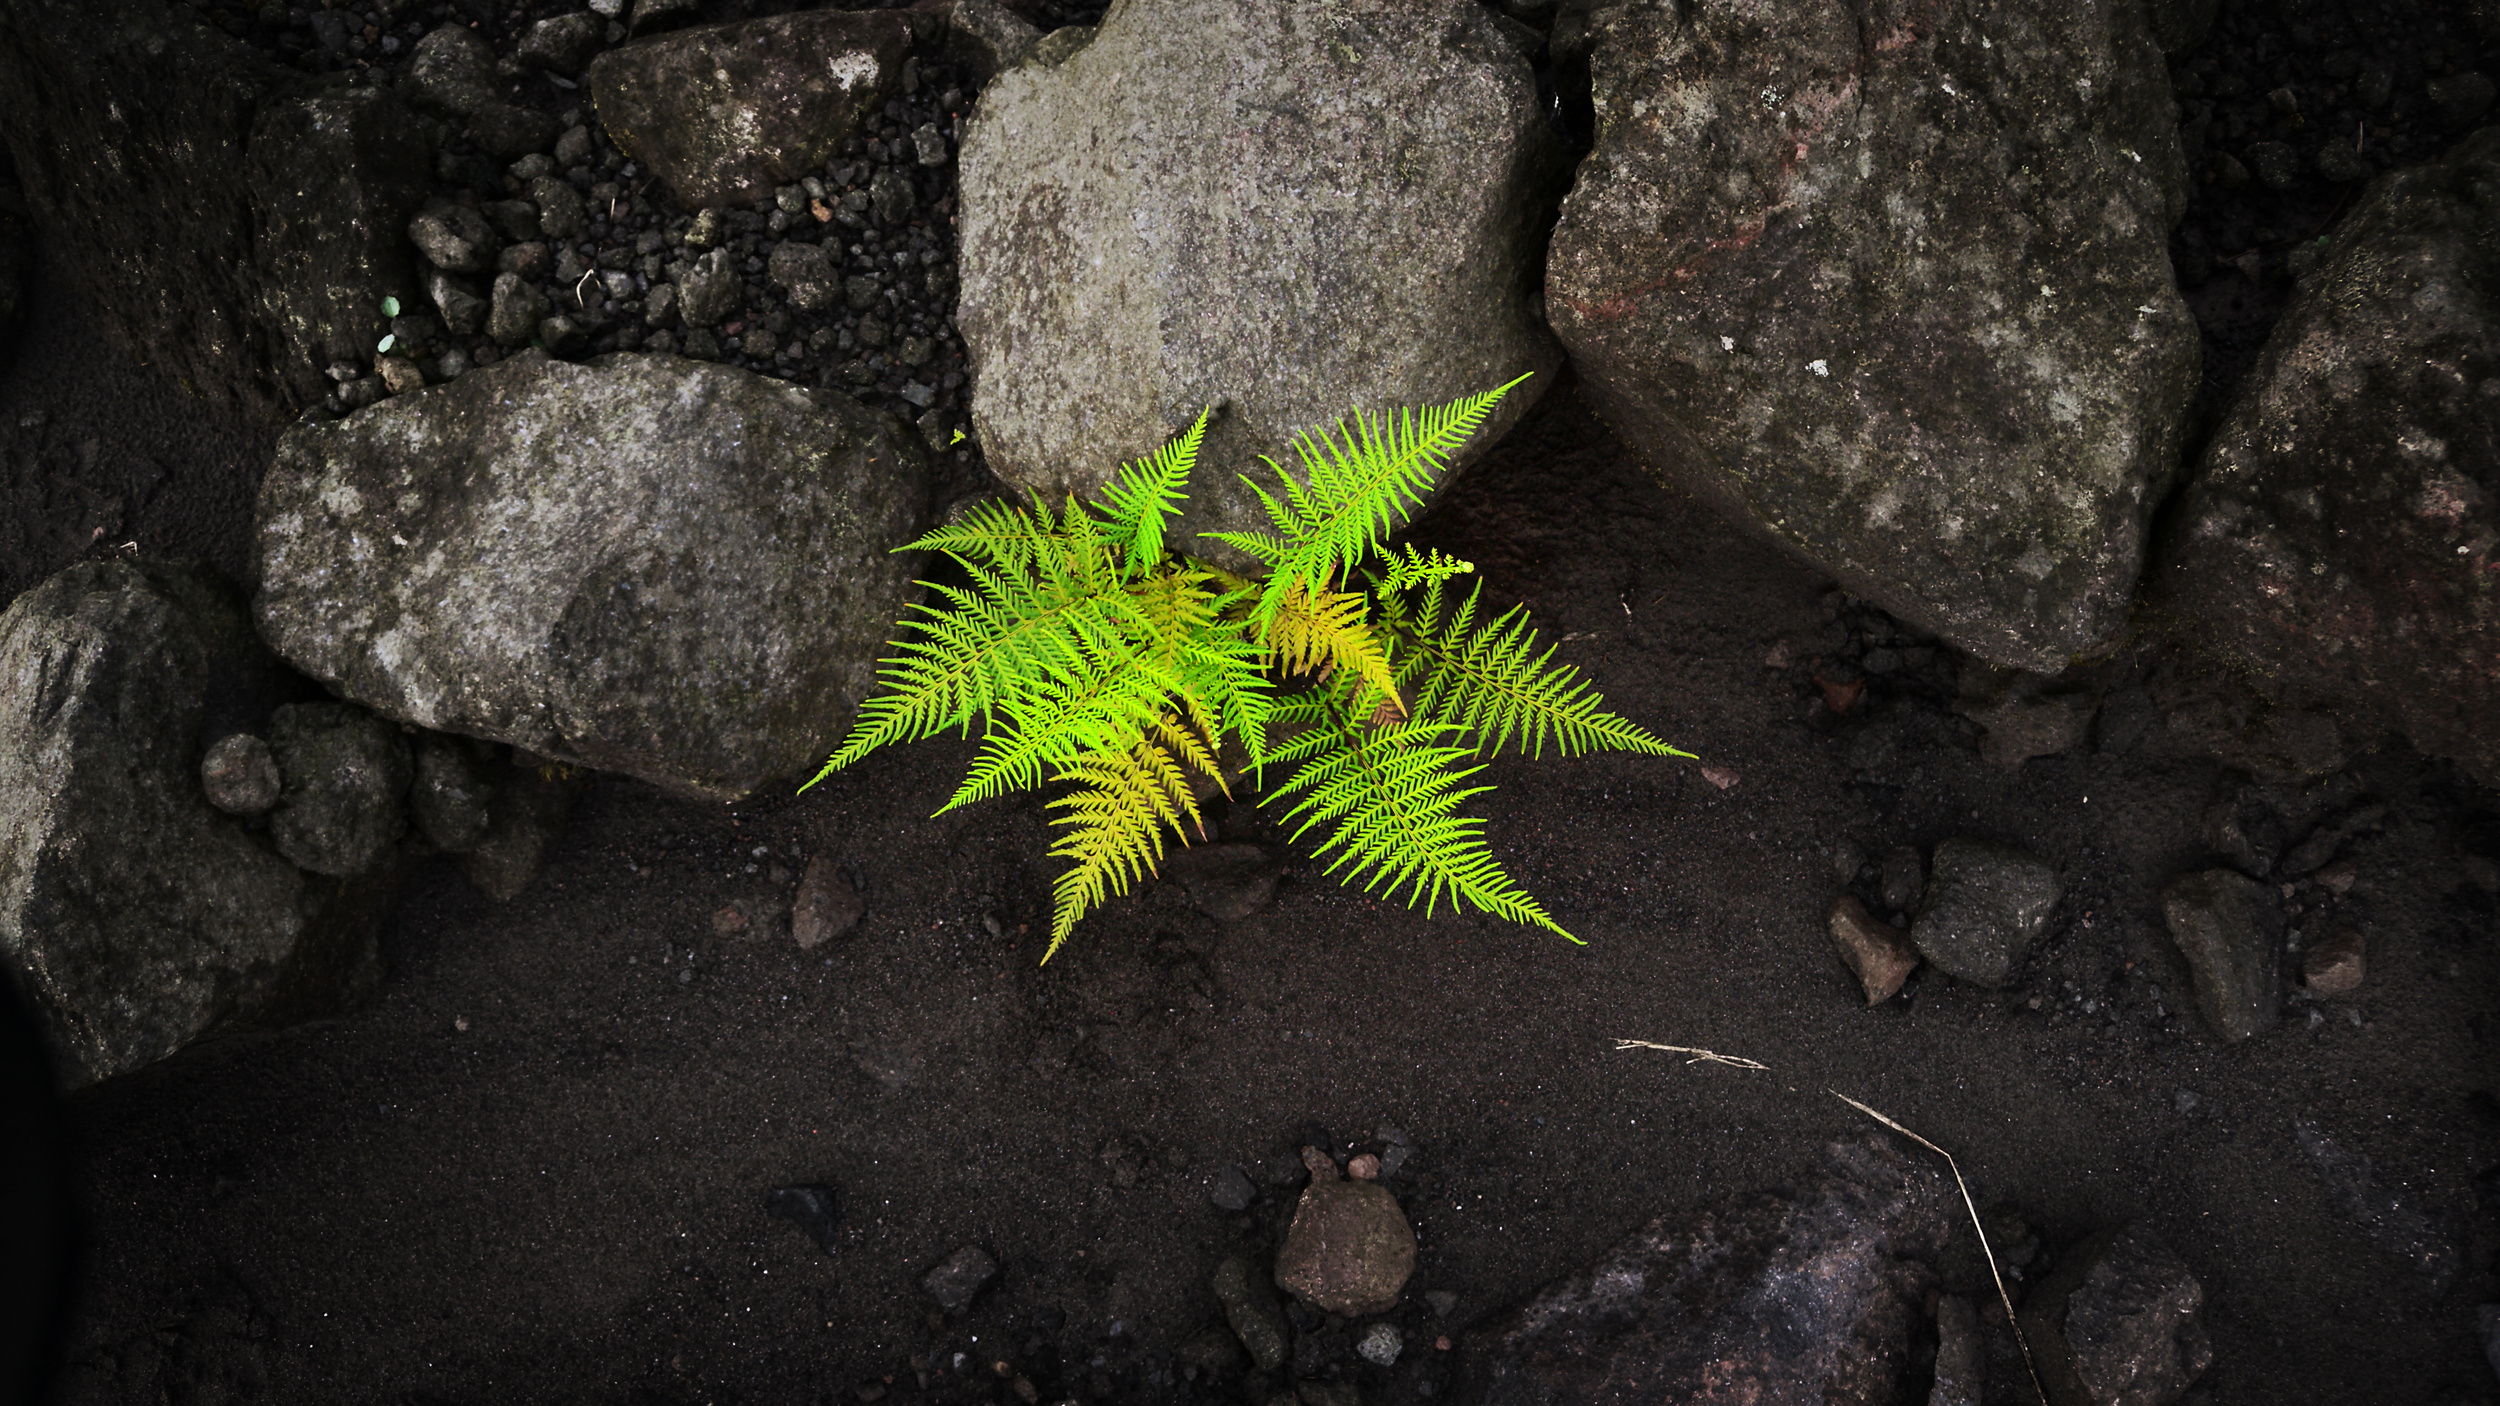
[1095,656]
[1390,794]
[1007,536]
[1265,548]
[1409,567]
[1116,816]
[1137,501]
[1354,497]
[1483,683]
[1219,677]
[1006,628]
[1037,730]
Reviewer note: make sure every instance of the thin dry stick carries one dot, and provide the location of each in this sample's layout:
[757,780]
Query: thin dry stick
[2002,1296]
[1700,1056]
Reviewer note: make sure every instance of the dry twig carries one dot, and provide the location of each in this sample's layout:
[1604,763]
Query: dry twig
[2002,1296]
[1700,1056]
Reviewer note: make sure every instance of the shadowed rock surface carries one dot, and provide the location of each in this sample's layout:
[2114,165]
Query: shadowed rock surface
[1764,1299]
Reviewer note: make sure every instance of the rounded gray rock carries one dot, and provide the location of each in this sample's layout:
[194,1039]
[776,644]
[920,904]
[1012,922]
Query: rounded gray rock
[453,789]
[1986,904]
[240,775]
[965,1273]
[345,776]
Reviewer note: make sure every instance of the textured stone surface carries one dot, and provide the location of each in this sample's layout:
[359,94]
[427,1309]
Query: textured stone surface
[826,907]
[1349,1249]
[648,565]
[239,775]
[451,791]
[171,273]
[2333,964]
[1897,291]
[528,803]
[1985,907]
[1250,1307]
[2115,1324]
[1199,167]
[1761,1300]
[138,916]
[2230,929]
[345,775]
[333,178]
[2344,526]
[960,1278]
[1876,953]
[723,113]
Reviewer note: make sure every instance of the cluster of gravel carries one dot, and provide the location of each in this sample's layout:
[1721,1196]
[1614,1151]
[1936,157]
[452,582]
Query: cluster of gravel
[847,281]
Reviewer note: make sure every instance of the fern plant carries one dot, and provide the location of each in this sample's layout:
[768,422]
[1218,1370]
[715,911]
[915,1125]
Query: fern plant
[1094,656]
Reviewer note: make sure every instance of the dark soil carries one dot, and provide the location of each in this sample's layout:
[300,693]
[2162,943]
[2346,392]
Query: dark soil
[537,1167]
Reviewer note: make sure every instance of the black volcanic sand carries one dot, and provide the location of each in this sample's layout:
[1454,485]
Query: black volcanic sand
[566,1200]
[536,1168]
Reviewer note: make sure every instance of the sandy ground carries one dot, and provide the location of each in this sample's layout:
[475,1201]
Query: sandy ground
[536,1168]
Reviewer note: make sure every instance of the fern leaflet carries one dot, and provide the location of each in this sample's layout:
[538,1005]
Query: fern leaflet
[1355,497]
[1389,793]
[1484,684]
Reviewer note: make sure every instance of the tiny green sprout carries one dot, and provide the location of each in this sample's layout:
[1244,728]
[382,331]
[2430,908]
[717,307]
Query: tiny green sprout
[957,439]
[390,308]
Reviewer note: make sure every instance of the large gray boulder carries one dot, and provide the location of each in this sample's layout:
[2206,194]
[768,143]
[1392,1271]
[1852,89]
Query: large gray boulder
[1898,294]
[1304,211]
[643,564]
[722,114]
[138,916]
[2342,533]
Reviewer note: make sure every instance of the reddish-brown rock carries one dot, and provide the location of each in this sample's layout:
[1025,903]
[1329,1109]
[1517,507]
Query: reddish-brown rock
[1350,1248]
[1876,952]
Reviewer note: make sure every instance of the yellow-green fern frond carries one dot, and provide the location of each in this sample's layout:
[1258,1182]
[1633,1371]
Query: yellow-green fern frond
[1000,631]
[1116,816]
[1265,548]
[1217,676]
[1389,796]
[1036,730]
[1353,497]
[1312,628]
[1484,683]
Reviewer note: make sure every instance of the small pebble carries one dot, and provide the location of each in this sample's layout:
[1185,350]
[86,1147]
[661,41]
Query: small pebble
[1365,1167]
[1231,1190]
[1381,1344]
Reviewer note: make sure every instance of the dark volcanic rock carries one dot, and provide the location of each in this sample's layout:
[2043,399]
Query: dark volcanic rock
[2341,526]
[1762,1299]
[1350,1248]
[1987,904]
[1793,371]
[2229,928]
[2116,1324]
[708,149]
